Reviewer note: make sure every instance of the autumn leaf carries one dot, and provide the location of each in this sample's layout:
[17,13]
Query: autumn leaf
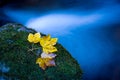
[34,38]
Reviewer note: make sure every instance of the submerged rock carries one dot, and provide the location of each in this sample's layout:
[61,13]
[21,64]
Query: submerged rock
[15,56]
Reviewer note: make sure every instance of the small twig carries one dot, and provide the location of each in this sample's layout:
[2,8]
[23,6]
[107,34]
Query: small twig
[33,49]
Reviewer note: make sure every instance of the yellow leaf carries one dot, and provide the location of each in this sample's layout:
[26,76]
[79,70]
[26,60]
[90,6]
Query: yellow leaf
[53,41]
[44,43]
[52,49]
[44,62]
[49,49]
[30,37]
[47,38]
[34,38]
[48,43]
[37,37]
[41,63]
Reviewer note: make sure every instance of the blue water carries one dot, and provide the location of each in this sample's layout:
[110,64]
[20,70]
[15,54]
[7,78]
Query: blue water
[92,37]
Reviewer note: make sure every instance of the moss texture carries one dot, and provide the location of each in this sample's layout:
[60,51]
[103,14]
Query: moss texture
[17,63]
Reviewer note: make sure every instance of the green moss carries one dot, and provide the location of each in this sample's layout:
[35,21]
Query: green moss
[15,55]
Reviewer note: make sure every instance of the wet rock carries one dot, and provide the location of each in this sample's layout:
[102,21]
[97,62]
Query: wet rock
[21,62]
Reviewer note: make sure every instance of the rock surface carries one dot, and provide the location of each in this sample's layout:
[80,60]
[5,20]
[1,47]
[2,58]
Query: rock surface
[17,63]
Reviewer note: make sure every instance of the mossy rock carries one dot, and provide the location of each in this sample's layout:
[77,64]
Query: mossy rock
[17,63]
